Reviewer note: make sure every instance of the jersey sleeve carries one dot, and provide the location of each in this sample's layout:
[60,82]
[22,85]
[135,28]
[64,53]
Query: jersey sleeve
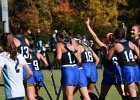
[2,62]
[22,60]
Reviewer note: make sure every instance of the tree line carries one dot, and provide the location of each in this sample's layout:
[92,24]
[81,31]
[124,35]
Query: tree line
[50,15]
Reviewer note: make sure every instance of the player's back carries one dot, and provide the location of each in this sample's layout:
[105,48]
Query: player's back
[13,74]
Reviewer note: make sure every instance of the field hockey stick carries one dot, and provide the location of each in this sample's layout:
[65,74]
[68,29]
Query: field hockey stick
[1,84]
[97,91]
[51,73]
[54,85]
[59,92]
[47,58]
[47,91]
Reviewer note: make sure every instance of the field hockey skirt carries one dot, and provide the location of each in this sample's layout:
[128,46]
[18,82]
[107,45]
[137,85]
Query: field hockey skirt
[31,80]
[82,78]
[130,74]
[69,75]
[91,72]
[112,75]
[39,79]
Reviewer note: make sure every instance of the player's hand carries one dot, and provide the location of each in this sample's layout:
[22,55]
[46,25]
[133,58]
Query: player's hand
[49,67]
[88,21]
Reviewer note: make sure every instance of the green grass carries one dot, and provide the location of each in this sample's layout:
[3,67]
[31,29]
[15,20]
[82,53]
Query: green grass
[57,74]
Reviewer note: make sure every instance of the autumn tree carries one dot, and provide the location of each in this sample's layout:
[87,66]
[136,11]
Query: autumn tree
[72,14]
[26,12]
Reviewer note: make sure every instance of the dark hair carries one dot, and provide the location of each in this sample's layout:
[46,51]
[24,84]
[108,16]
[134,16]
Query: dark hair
[60,35]
[8,45]
[69,34]
[137,25]
[16,26]
[119,33]
[112,38]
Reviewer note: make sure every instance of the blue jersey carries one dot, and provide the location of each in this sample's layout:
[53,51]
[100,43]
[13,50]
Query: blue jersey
[113,61]
[68,57]
[87,56]
[126,57]
[37,77]
[112,72]
[136,42]
[129,68]
[23,48]
[89,66]
[34,60]
[69,71]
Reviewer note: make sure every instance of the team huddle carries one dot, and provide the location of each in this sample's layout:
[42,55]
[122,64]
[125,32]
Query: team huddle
[19,64]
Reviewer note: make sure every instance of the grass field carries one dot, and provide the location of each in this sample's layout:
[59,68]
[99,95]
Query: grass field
[112,95]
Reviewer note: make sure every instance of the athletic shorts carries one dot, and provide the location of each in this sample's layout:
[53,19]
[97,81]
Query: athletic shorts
[130,74]
[82,78]
[31,80]
[112,75]
[39,79]
[91,72]
[69,75]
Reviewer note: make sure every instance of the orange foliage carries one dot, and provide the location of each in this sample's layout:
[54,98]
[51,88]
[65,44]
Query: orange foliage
[64,7]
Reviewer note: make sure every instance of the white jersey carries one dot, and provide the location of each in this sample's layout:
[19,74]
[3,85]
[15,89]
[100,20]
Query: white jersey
[13,75]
